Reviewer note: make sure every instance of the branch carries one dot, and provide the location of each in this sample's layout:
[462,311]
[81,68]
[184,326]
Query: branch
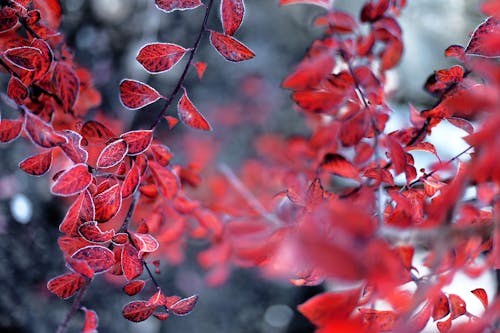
[174,92]
[131,209]
[250,198]
[424,177]
[63,328]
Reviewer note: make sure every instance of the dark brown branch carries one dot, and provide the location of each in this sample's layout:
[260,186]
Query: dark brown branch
[63,328]
[180,82]
[131,209]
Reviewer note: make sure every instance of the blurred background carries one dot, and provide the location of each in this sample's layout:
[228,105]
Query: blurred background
[241,101]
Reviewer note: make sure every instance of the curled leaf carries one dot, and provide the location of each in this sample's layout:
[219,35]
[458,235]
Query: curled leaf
[189,114]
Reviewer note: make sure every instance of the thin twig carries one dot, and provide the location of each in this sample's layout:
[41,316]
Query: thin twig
[157,285]
[424,177]
[180,82]
[130,213]
[63,328]
[249,197]
[376,141]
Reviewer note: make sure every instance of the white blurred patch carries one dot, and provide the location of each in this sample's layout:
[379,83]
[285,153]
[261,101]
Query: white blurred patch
[21,208]
[278,315]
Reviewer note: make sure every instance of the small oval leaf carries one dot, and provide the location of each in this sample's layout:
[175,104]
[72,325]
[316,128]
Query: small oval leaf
[229,47]
[135,95]
[72,181]
[160,57]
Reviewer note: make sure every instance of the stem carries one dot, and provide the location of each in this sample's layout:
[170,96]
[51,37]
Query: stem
[34,86]
[63,328]
[377,155]
[157,285]
[250,198]
[180,82]
[131,209]
[416,181]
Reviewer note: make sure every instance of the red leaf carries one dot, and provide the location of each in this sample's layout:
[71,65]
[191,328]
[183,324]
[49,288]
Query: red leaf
[91,321]
[99,258]
[314,194]
[107,203]
[22,57]
[112,154]
[456,51]
[42,133]
[183,306]
[322,3]
[391,55]
[16,90]
[50,12]
[120,238]
[338,165]
[67,83]
[131,264]
[37,165]
[377,320]
[482,295]
[161,316]
[8,19]
[373,10]
[444,326]
[72,181]
[137,311]
[65,286]
[485,40]
[81,210]
[491,8]
[454,74]
[457,305]
[462,124]
[158,298]
[398,155]
[338,22]
[406,253]
[310,72]
[135,95]
[70,245]
[229,47]
[80,266]
[131,182]
[325,307]
[44,61]
[134,287]
[167,181]
[200,70]
[160,57]
[73,147]
[10,129]
[137,141]
[319,101]
[189,114]
[171,5]
[93,130]
[380,175]
[441,307]
[232,13]
[162,154]
[91,232]
[146,243]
